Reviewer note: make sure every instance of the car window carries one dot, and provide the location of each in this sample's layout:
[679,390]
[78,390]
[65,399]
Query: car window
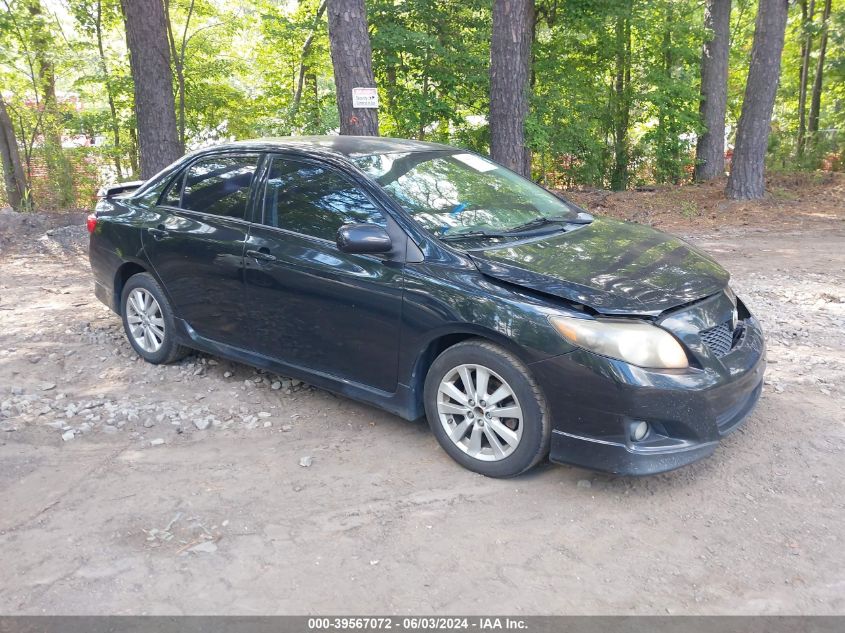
[173,195]
[314,200]
[219,185]
[151,194]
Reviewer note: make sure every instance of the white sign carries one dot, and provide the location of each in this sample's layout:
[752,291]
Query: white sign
[364,98]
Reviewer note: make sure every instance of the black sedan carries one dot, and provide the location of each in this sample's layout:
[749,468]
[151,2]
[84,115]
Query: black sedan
[430,281]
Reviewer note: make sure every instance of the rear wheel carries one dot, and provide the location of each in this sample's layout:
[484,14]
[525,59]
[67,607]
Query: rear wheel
[486,409]
[148,320]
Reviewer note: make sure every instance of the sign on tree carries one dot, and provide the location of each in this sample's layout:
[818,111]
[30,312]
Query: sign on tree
[364,98]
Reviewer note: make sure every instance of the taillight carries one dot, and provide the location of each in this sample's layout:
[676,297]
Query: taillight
[92,222]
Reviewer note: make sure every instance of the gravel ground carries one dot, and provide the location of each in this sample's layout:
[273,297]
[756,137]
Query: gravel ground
[208,487]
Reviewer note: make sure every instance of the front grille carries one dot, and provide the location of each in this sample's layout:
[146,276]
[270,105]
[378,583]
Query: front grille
[719,338]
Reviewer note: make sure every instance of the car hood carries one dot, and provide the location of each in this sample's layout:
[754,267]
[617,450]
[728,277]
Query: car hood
[614,267]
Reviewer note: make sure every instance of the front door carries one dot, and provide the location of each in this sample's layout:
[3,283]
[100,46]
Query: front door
[310,304]
[196,240]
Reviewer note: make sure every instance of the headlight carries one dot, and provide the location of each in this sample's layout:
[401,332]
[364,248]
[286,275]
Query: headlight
[637,342]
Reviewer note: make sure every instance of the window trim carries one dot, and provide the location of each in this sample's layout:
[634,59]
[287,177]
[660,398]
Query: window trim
[234,153]
[298,158]
[203,215]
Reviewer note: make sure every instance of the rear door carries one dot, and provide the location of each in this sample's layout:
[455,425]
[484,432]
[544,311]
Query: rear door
[196,241]
[311,304]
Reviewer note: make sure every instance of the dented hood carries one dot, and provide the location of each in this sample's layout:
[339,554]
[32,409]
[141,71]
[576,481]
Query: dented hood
[614,267]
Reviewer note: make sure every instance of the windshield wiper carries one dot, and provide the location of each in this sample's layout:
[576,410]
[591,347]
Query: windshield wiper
[581,218]
[470,235]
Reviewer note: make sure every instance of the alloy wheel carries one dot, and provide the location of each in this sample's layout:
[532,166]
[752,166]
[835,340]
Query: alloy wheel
[145,319]
[479,412]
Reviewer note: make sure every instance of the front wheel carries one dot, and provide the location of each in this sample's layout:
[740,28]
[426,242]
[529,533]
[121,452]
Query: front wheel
[148,320]
[486,409]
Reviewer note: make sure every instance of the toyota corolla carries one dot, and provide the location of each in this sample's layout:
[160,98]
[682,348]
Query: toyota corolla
[433,282]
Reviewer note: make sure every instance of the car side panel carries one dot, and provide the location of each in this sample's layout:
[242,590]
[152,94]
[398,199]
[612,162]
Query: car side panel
[200,264]
[451,298]
[401,402]
[320,308]
[115,242]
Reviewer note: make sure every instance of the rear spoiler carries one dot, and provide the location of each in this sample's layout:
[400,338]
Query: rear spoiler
[110,191]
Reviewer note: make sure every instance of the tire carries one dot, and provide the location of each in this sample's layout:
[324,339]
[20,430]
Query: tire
[508,446]
[143,307]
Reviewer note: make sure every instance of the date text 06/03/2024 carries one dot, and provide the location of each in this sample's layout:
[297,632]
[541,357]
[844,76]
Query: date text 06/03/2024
[422,623]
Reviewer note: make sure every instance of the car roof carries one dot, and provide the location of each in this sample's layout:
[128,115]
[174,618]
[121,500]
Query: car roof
[346,146]
[341,146]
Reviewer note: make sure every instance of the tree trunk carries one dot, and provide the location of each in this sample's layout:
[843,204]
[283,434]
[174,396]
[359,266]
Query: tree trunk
[806,50]
[352,60]
[149,59]
[621,101]
[816,99]
[421,122]
[104,67]
[510,66]
[303,58]
[178,57]
[710,149]
[752,135]
[13,174]
[315,93]
[391,88]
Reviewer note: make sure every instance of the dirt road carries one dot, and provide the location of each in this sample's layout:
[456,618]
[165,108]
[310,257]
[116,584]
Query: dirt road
[128,489]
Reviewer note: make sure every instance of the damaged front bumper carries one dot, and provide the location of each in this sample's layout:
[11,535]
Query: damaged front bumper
[596,402]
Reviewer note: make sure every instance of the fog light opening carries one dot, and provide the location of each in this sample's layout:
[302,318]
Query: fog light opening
[639,431]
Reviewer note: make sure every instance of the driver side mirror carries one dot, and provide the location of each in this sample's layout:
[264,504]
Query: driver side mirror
[363,239]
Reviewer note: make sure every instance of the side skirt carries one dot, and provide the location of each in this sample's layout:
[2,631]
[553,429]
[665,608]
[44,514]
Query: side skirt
[401,402]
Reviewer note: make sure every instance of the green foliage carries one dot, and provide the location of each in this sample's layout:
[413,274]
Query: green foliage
[31,58]
[279,56]
[418,45]
[575,112]
[671,97]
[240,65]
[823,150]
[103,79]
[571,114]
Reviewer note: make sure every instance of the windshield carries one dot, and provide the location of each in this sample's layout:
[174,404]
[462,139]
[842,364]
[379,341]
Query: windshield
[455,193]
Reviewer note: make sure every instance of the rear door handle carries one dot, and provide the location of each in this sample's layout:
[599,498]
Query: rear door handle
[158,234]
[262,255]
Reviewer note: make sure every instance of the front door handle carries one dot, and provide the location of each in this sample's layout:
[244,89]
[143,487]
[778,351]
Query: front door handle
[158,233]
[262,255]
